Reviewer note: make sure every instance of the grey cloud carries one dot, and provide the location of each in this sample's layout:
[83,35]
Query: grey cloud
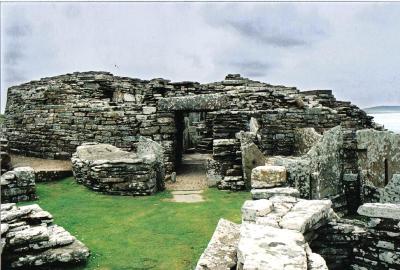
[275,25]
[250,68]
[17,30]
[12,54]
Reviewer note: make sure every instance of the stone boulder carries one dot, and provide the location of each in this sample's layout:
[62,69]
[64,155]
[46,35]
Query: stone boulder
[108,169]
[31,240]
[220,253]
[268,176]
[18,185]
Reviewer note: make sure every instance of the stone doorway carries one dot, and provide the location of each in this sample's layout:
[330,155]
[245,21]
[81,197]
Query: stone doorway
[193,147]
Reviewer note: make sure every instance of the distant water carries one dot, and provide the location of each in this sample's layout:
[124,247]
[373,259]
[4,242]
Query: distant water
[391,121]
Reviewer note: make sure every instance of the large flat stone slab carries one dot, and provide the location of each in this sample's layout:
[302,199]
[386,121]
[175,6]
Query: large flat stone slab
[220,253]
[265,247]
[380,210]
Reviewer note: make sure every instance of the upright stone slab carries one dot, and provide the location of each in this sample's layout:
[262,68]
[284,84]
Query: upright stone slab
[391,192]
[220,253]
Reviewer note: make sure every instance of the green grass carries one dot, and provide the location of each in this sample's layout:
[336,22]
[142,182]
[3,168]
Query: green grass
[138,232]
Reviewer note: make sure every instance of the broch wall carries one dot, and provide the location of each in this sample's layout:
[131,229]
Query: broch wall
[52,116]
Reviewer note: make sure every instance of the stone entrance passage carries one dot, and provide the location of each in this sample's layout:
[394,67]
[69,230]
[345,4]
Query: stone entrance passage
[190,179]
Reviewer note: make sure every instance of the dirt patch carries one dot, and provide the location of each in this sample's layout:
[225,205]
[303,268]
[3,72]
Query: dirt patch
[191,174]
[40,164]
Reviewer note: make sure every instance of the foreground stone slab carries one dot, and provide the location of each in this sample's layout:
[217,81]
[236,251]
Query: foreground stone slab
[306,214]
[268,176]
[265,247]
[220,253]
[31,240]
[268,193]
[380,210]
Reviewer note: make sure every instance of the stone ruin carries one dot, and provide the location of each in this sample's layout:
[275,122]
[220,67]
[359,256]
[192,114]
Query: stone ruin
[30,239]
[306,157]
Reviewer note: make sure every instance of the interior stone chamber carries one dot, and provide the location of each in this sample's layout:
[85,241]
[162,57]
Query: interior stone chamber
[51,117]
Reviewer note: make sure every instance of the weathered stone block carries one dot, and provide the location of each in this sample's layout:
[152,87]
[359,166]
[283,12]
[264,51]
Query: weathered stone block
[268,176]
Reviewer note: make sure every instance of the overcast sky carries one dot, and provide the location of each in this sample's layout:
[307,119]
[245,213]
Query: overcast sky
[351,48]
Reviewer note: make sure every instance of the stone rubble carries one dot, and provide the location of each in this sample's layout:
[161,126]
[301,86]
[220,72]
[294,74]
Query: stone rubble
[31,240]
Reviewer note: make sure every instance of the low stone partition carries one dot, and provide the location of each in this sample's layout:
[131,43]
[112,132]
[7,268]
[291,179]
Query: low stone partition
[30,240]
[227,164]
[369,243]
[108,169]
[18,185]
[51,175]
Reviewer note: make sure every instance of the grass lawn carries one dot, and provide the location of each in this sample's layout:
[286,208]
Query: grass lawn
[138,232]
